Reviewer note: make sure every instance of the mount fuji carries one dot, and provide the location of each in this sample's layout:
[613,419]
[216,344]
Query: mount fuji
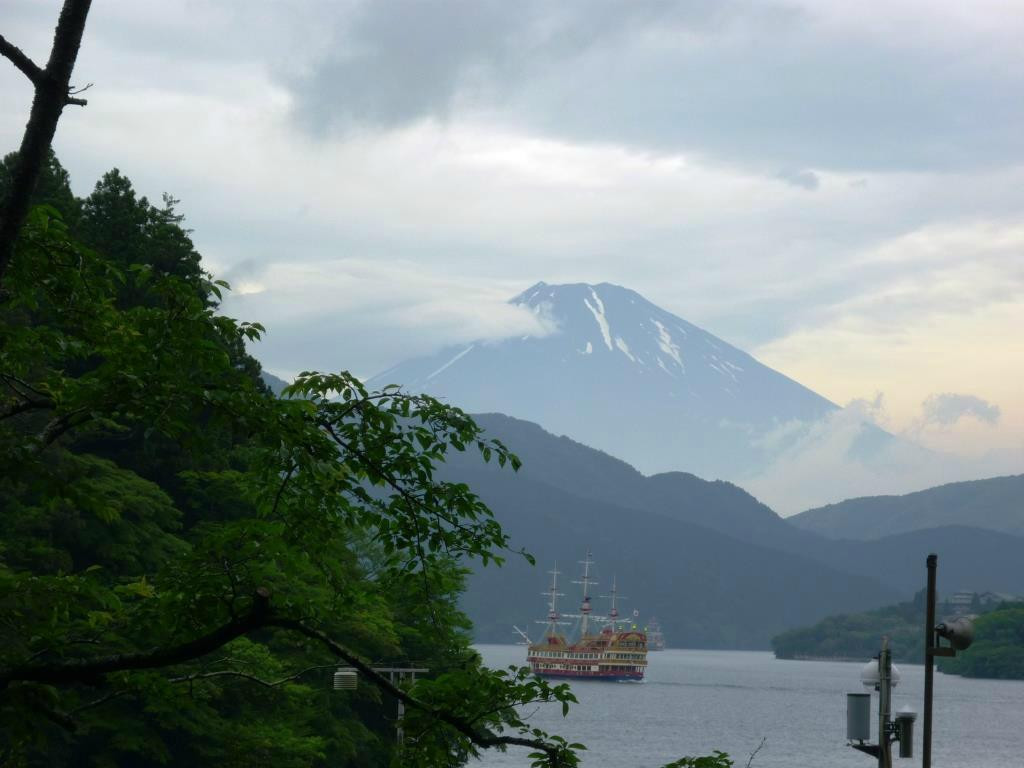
[620,374]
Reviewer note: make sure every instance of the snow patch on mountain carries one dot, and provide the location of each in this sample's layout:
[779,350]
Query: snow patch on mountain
[602,321]
[624,348]
[667,346]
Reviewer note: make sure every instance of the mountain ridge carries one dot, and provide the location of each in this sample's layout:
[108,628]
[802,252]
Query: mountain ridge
[991,503]
[623,375]
[717,566]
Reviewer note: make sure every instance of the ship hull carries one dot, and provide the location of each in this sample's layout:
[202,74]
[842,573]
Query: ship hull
[610,655]
[611,677]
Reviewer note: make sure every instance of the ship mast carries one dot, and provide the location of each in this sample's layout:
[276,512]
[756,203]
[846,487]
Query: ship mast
[613,614]
[552,595]
[585,606]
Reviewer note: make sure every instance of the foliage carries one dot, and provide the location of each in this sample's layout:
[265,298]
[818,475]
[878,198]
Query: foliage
[185,557]
[858,635]
[998,648]
[152,485]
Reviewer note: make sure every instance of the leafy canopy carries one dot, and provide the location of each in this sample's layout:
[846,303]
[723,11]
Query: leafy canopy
[185,558]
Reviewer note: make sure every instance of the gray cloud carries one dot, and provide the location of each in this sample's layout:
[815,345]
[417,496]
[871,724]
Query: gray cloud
[948,408]
[804,179]
[749,82]
[393,63]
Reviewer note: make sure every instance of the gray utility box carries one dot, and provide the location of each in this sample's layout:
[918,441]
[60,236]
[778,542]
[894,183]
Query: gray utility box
[858,716]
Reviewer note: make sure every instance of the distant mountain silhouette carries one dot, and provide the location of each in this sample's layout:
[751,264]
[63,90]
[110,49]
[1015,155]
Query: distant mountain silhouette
[996,504]
[718,567]
[275,383]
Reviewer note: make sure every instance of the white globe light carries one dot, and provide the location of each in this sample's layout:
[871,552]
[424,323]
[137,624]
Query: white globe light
[870,677]
[869,674]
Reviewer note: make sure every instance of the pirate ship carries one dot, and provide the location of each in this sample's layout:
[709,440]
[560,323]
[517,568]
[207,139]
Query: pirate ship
[606,648]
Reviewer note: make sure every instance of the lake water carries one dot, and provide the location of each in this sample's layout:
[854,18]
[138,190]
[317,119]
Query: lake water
[693,702]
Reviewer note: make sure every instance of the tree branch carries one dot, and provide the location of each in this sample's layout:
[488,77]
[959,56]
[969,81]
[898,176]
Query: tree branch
[51,95]
[26,405]
[247,676]
[750,760]
[11,381]
[91,670]
[58,426]
[481,738]
[28,67]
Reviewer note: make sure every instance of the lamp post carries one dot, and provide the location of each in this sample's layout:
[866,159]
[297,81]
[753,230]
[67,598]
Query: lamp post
[345,678]
[881,675]
[959,633]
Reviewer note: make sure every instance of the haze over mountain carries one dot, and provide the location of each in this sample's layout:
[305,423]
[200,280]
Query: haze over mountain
[620,374]
[718,568]
[995,504]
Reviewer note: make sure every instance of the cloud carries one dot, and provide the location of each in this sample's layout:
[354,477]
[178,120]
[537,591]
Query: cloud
[948,408]
[763,84]
[847,454]
[805,179]
[364,315]
[455,153]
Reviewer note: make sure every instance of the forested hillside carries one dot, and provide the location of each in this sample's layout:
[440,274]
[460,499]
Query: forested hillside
[856,636]
[996,504]
[998,649]
[996,652]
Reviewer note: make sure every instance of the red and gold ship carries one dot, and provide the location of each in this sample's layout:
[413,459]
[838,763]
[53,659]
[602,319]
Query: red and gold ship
[616,651]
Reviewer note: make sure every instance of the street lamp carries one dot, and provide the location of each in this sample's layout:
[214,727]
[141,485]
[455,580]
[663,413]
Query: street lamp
[346,679]
[959,633]
[881,675]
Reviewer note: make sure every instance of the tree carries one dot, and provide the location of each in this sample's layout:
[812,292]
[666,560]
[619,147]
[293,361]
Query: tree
[100,556]
[184,557]
[52,93]
[998,650]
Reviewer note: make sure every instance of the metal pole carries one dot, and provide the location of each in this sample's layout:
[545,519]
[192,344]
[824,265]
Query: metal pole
[929,662]
[884,697]
[400,735]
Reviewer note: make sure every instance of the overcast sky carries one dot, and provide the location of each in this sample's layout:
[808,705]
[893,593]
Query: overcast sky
[836,187]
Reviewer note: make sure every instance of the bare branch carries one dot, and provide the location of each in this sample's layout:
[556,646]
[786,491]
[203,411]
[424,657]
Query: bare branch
[247,676]
[28,67]
[750,760]
[51,96]
[102,700]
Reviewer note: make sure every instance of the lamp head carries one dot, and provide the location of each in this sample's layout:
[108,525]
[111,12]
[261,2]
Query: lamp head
[869,674]
[959,632]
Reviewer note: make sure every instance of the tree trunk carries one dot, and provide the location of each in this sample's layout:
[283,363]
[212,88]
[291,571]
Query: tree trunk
[51,95]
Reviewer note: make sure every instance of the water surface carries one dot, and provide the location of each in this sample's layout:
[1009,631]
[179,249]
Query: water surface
[694,702]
